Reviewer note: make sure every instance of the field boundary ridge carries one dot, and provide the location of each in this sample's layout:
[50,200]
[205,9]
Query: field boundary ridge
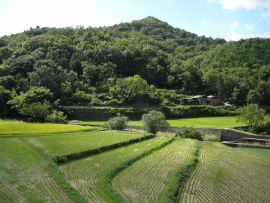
[107,180]
[178,179]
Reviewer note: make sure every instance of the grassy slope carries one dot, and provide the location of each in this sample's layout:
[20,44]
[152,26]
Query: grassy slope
[24,175]
[144,180]
[226,174]
[86,174]
[68,143]
[258,152]
[205,122]
[21,128]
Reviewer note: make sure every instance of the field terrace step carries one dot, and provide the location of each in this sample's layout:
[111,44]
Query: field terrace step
[231,144]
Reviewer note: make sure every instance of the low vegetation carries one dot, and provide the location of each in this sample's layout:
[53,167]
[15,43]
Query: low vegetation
[117,123]
[190,133]
[154,121]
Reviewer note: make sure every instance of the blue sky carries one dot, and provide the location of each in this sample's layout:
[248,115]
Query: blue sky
[228,19]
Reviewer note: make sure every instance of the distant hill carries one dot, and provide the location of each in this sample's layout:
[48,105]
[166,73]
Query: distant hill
[92,60]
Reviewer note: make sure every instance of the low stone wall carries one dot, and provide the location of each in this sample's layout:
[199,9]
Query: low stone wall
[224,134]
[91,114]
[231,144]
[231,135]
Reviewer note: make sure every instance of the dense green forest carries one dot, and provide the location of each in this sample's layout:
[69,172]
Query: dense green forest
[143,61]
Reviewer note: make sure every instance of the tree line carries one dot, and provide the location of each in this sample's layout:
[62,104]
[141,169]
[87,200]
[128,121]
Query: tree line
[128,62]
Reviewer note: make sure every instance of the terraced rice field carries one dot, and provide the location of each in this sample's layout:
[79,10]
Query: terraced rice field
[24,175]
[225,174]
[144,180]
[21,128]
[86,174]
[67,143]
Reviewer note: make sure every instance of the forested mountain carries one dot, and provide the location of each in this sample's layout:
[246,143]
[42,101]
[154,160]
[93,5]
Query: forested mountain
[89,65]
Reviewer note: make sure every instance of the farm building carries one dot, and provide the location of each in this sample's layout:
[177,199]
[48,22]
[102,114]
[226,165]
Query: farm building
[213,100]
[200,100]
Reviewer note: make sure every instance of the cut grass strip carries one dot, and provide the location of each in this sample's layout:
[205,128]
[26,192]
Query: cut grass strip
[71,157]
[70,143]
[145,180]
[16,128]
[258,152]
[24,175]
[225,174]
[86,174]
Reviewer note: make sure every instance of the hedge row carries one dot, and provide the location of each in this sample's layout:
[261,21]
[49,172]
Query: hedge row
[178,178]
[106,181]
[177,111]
[70,157]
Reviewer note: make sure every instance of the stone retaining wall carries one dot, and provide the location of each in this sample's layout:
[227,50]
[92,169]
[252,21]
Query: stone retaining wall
[224,134]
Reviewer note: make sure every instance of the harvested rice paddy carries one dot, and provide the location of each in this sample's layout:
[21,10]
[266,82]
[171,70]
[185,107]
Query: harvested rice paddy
[144,180]
[226,174]
[87,175]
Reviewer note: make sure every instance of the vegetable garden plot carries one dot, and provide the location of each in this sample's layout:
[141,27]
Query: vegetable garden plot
[24,176]
[225,174]
[63,144]
[87,175]
[144,180]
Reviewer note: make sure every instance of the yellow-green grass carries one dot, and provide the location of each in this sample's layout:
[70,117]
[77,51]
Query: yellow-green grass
[225,174]
[92,122]
[258,152]
[144,180]
[69,143]
[24,175]
[204,122]
[86,174]
[21,128]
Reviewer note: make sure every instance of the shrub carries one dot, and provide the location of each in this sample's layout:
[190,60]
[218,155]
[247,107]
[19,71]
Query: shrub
[191,133]
[211,138]
[56,117]
[154,121]
[117,123]
[252,115]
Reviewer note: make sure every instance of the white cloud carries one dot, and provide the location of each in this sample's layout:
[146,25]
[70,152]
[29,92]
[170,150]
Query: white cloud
[250,27]
[206,22]
[235,36]
[266,15]
[248,4]
[234,24]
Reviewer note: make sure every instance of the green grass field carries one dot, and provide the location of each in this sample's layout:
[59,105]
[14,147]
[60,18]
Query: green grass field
[69,143]
[204,122]
[226,174]
[24,175]
[21,128]
[223,174]
[86,174]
